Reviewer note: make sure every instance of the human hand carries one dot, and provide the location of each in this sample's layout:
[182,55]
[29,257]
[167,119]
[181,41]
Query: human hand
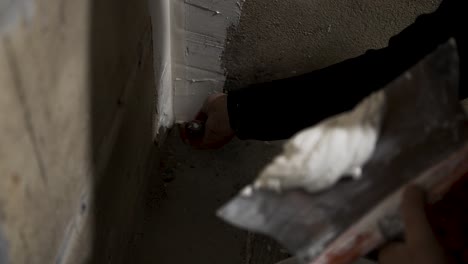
[421,246]
[217,129]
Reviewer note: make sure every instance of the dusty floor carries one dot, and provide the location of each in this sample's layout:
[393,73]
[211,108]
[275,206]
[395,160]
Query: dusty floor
[181,225]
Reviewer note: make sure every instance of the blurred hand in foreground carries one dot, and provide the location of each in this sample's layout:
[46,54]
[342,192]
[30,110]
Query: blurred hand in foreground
[420,246]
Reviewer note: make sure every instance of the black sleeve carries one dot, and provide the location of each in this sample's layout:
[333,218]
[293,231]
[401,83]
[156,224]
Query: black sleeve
[278,109]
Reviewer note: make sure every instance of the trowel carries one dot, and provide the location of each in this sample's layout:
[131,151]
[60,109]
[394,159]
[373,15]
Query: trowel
[423,140]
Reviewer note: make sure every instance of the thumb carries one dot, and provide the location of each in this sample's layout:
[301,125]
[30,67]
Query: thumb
[418,230]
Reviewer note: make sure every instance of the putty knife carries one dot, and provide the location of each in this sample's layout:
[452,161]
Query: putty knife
[424,140]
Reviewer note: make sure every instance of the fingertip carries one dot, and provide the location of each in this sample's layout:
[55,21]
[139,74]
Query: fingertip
[417,228]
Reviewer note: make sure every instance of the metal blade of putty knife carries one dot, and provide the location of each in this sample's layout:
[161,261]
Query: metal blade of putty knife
[424,139]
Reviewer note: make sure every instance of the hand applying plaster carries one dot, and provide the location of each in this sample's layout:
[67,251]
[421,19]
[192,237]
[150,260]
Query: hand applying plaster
[318,157]
[214,118]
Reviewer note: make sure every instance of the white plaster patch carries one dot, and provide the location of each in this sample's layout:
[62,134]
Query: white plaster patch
[198,67]
[12,12]
[189,39]
[162,46]
[318,157]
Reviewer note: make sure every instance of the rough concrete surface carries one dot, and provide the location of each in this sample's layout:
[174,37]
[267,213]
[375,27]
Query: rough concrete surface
[277,39]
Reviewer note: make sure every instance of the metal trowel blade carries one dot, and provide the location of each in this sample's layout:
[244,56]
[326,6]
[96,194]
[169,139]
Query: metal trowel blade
[423,139]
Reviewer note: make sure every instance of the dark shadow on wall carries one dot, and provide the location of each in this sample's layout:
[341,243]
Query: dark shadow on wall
[121,101]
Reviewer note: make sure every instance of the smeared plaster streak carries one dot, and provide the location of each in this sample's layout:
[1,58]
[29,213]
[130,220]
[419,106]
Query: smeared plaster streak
[207,43]
[160,11]
[195,68]
[13,12]
[199,80]
[215,12]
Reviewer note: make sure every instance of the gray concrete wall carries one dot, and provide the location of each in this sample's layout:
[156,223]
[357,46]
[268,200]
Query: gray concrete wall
[277,39]
[76,110]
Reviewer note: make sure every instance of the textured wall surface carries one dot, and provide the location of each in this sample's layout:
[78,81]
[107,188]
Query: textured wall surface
[76,110]
[277,39]
[274,39]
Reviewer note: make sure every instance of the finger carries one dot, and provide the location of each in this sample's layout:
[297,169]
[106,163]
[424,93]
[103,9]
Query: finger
[211,140]
[393,253]
[201,116]
[418,230]
[205,110]
[210,100]
[208,140]
[215,136]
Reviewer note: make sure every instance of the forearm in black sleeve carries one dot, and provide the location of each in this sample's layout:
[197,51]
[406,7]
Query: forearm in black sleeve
[278,109]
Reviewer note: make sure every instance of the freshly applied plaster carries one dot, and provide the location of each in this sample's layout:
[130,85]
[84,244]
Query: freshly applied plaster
[318,157]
